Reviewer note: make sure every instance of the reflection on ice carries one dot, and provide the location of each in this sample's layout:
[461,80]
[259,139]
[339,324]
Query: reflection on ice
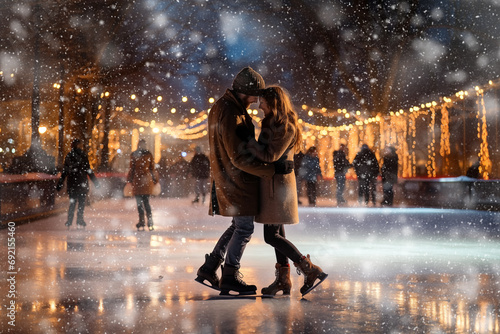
[415,303]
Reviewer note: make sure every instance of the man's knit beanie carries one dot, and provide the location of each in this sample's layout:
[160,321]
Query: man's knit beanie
[248,82]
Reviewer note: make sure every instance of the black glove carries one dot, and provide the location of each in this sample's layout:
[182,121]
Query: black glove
[59,186]
[243,133]
[283,167]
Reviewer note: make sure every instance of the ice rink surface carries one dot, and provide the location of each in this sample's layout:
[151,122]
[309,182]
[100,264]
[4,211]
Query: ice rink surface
[391,270]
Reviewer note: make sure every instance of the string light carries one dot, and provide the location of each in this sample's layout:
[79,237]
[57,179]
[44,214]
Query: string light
[431,155]
[398,128]
[444,149]
[484,155]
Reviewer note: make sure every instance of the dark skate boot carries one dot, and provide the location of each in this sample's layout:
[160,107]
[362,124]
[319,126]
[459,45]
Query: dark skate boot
[140,224]
[231,281]
[150,224]
[208,271]
[81,224]
[281,283]
[311,274]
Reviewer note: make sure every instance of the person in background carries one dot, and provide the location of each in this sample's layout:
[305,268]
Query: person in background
[200,169]
[163,171]
[235,181]
[143,177]
[367,169]
[389,174]
[179,176]
[310,171]
[473,170]
[341,165]
[77,171]
[279,139]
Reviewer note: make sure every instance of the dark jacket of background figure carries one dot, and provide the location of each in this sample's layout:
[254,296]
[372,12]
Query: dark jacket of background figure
[340,163]
[200,166]
[365,164]
[77,170]
[390,168]
[310,169]
[297,162]
[142,172]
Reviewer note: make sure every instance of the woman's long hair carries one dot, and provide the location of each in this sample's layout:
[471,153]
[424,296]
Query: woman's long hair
[282,112]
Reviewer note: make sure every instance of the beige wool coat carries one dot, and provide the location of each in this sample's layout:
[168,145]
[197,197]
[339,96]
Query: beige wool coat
[278,195]
[235,172]
[142,172]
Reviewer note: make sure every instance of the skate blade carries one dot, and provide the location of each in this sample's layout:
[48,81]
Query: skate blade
[321,279]
[242,293]
[202,281]
[264,296]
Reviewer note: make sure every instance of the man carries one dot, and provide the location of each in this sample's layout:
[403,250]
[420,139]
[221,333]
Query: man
[389,173]
[341,165]
[77,170]
[200,169]
[235,179]
[367,169]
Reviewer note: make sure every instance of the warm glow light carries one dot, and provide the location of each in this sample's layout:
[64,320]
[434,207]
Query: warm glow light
[155,110]
[133,96]
[397,128]
[42,129]
[159,98]
[173,110]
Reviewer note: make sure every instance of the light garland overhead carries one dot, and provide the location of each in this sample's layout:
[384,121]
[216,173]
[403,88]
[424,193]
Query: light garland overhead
[397,128]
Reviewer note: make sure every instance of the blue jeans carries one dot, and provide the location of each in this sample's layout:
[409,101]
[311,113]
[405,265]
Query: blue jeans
[233,241]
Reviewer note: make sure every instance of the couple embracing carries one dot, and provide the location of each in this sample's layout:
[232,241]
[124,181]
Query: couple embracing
[253,180]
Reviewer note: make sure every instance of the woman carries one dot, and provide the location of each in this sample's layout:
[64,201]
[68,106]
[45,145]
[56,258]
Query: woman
[280,138]
[143,178]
